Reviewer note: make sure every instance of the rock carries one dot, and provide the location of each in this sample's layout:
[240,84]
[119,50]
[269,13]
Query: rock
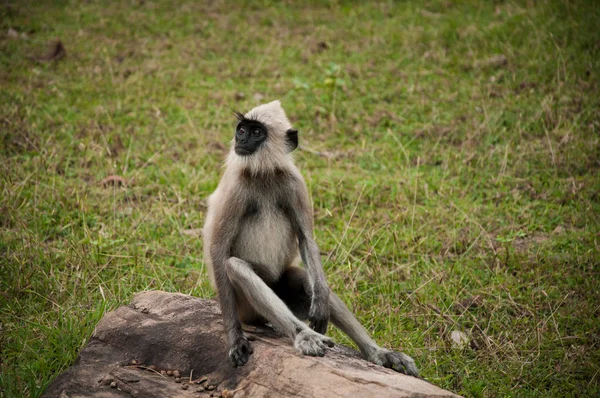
[185,333]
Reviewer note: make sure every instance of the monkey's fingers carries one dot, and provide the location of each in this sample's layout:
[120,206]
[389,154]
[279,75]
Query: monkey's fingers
[240,352]
[308,342]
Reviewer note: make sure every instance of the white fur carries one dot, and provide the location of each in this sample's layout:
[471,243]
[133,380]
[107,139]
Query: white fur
[274,255]
[272,153]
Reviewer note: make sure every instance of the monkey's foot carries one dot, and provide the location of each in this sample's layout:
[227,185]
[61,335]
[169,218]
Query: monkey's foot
[240,351]
[309,342]
[397,361]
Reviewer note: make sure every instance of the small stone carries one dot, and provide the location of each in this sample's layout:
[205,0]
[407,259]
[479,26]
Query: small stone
[13,34]
[210,387]
[169,373]
[176,373]
[459,339]
[178,380]
[200,389]
[184,386]
[162,372]
[113,384]
[134,362]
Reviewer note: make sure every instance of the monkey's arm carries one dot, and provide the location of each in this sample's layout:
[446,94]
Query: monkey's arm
[309,252]
[224,233]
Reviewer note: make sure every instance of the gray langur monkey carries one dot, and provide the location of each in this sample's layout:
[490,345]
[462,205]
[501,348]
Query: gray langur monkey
[259,218]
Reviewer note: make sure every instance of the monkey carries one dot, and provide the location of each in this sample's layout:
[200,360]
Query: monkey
[259,224]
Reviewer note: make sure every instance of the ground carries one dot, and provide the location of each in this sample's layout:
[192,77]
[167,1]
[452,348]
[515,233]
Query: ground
[451,151]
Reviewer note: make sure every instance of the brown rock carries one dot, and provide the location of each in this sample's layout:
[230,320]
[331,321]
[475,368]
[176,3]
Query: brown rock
[186,333]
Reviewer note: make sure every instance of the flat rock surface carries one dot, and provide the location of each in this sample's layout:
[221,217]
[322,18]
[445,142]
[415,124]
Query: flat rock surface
[139,349]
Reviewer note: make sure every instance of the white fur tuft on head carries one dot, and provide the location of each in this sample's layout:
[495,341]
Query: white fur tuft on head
[273,153]
[271,115]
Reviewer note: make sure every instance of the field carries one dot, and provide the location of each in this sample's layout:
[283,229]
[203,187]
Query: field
[452,153]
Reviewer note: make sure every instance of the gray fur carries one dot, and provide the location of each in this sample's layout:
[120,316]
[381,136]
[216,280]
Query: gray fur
[259,222]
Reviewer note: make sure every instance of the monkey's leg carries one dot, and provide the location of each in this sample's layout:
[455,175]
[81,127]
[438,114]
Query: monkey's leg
[267,304]
[347,322]
[292,288]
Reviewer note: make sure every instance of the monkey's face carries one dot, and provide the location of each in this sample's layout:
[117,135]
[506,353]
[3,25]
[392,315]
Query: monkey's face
[249,136]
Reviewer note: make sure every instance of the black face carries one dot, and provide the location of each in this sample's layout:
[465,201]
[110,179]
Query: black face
[249,136]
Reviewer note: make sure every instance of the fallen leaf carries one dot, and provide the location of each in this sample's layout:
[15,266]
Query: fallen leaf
[56,51]
[115,181]
[469,302]
[559,229]
[430,14]
[322,46]
[192,232]
[495,61]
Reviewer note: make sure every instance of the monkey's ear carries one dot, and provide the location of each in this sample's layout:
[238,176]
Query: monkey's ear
[292,139]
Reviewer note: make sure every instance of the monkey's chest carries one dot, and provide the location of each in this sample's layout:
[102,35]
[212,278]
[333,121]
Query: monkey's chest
[267,241]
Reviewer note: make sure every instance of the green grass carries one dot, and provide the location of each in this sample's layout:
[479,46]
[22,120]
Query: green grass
[437,175]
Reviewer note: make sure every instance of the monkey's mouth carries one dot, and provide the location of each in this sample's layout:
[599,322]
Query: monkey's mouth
[240,150]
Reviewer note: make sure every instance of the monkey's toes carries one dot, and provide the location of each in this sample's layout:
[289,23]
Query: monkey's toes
[240,351]
[311,343]
[397,361]
[403,363]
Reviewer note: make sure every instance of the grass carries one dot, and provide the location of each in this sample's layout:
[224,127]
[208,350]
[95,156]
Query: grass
[451,150]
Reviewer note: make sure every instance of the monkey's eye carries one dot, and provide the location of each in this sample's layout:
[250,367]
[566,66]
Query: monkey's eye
[256,132]
[242,131]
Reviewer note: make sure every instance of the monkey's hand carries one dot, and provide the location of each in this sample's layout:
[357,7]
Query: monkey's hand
[397,361]
[240,351]
[318,315]
[312,343]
